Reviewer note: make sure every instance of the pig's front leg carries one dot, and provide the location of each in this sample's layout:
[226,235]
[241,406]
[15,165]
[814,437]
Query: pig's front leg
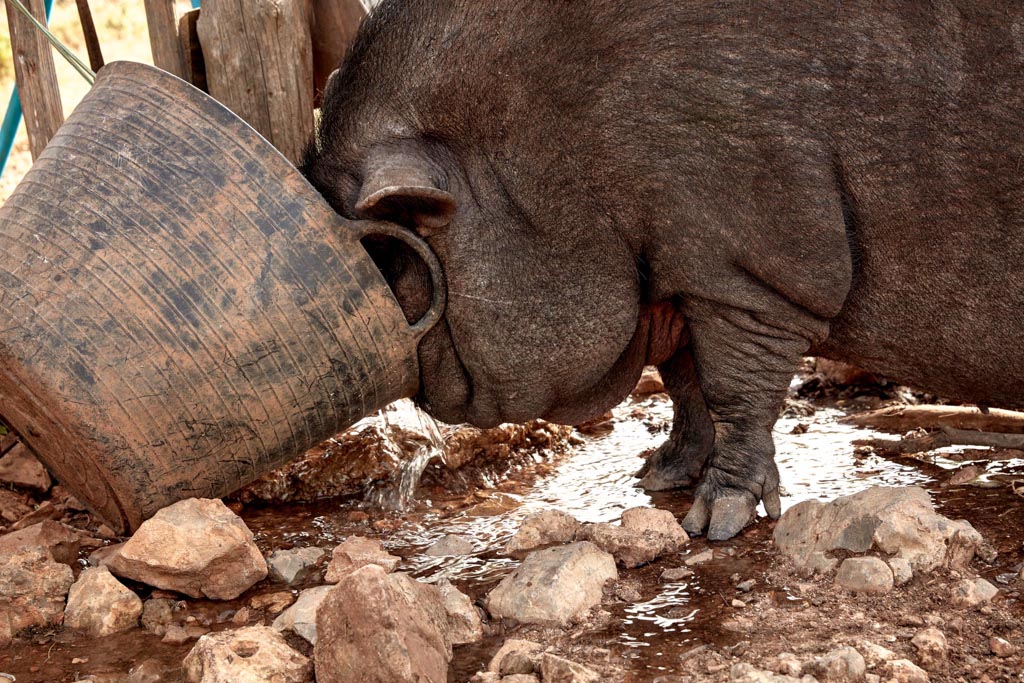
[744,364]
[678,461]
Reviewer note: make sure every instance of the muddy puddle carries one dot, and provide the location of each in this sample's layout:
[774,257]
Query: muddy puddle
[649,632]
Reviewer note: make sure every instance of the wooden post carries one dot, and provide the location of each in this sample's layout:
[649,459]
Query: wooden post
[191,50]
[162,20]
[35,75]
[259,61]
[334,28]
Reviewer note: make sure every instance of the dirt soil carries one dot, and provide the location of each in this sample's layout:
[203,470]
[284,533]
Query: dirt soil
[646,630]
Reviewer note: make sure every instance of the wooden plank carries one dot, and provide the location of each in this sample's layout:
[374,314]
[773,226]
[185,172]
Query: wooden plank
[162,20]
[259,61]
[92,41]
[335,23]
[195,65]
[35,75]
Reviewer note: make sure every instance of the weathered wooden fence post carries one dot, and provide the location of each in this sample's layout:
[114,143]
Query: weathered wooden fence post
[334,28]
[259,62]
[162,20]
[35,75]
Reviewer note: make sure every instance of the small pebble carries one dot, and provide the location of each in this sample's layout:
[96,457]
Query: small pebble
[745,586]
[1001,647]
[738,603]
[699,558]
[676,574]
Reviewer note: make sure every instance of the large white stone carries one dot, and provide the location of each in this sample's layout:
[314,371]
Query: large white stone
[555,586]
[99,604]
[197,547]
[257,654]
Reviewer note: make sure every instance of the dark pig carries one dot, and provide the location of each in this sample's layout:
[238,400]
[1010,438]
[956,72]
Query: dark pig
[716,188]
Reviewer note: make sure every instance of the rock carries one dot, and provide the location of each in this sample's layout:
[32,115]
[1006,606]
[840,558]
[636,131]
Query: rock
[842,665]
[176,634]
[293,566]
[301,617]
[197,547]
[148,671]
[358,552]
[32,591]
[676,574]
[558,670]
[60,541]
[99,604]
[102,556]
[904,671]
[547,527]
[932,648]
[902,572]
[516,657]
[746,586]
[19,467]
[485,677]
[629,547]
[895,521]
[520,678]
[972,593]
[746,673]
[650,382]
[158,614]
[874,655]
[1001,647]
[787,663]
[256,654]
[700,558]
[376,627]
[865,575]
[662,522]
[555,586]
[872,678]
[464,625]
[272,603]
[452,544]
[820,563]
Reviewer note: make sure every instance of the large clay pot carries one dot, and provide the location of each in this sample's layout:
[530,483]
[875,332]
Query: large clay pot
[180,311]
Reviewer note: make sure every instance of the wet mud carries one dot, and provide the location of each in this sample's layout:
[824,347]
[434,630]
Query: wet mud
[655,631]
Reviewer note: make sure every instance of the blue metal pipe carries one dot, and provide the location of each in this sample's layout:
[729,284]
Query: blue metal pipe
[12,119]
[195,4]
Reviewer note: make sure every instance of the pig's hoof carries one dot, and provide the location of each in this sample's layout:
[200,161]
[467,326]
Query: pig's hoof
[725,510]
[669,468]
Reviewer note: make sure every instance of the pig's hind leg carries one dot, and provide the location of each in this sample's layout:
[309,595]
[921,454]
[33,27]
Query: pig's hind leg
[744,364]
[678,462]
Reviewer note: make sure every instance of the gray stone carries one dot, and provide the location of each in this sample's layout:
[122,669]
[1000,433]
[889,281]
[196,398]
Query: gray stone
[874,655]
[932,648]
[842,665]
[904,671]
[61,541]
[555,669]
[661,522]
[746,673]
[902,571]
[20,468]
[295,565]
[452,544]
[158,614]
[865,575]
[301,616]
[555,586]
[676,574]
[516,656]
[356,552]
[629,547]
[376,627]
[197,547]
[32,591]
[544,528]
[895,521]
[464,625]
[973,592]
[257,654]
[100,605]
[700,558]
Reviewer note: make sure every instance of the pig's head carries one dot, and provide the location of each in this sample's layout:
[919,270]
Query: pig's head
[442,125]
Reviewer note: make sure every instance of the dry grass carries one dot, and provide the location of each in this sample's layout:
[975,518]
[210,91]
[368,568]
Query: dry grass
[121,25]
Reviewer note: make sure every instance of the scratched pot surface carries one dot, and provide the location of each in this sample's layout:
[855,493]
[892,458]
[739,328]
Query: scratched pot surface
[594,483]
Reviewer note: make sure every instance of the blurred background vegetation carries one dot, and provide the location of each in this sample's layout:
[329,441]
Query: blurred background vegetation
[121,25]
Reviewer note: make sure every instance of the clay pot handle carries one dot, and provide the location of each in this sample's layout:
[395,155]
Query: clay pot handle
[439,294]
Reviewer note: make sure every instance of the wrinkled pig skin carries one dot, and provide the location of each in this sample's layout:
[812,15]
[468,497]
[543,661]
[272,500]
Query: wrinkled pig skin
[718,188]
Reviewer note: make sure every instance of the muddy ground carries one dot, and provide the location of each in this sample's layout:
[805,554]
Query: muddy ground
[646,630]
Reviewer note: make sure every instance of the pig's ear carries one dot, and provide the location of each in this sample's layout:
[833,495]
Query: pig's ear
[398,187]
